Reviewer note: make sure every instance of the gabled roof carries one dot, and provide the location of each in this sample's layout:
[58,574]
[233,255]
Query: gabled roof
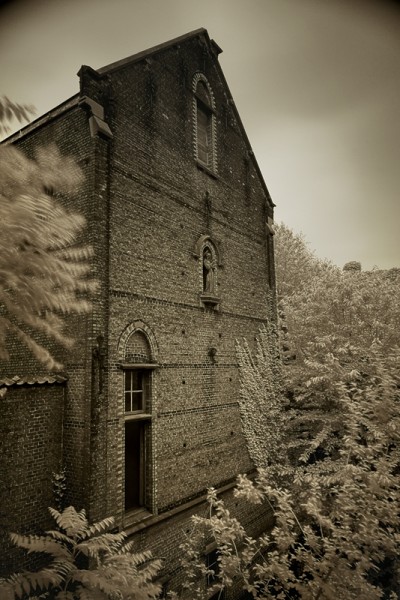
[140,56]
[145,54]
[155,49]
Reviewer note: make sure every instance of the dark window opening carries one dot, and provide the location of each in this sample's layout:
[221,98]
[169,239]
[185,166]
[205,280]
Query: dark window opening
[212,564]
[137,422]
[204,135]
[134,464]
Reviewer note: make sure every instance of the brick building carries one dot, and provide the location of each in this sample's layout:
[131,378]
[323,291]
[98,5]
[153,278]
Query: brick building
[145,416]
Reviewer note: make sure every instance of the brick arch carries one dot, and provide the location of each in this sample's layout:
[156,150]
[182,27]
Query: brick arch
[208,240]
[145,342]
[201,77]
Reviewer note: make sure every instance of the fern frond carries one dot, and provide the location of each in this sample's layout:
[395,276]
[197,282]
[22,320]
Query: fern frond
[99,527]
[60,569]
[6,590]
[64,595]
[71,521]
[136,558]
[95,580]
[41,543]
[61,537]
[29,583]
[108,543]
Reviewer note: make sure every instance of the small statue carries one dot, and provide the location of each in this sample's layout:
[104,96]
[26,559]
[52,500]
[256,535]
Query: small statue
[208,272]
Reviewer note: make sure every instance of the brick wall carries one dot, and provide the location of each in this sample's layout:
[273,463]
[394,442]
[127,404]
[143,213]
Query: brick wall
[30,452]
[148,206]
[161,205]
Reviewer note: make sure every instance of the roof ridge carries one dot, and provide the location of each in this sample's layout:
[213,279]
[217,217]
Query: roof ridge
[152,50]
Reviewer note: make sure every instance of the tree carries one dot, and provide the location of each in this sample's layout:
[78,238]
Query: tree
[44,274]
[331,476]
[296,265]
[11,110]
[336,530]
[85,562]
[319,299]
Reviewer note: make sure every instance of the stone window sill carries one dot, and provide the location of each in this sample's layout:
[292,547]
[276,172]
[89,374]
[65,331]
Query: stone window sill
[206,169]
[210,300]
[136,516]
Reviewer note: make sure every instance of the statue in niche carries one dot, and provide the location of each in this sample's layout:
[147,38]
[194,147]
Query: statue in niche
[208,272]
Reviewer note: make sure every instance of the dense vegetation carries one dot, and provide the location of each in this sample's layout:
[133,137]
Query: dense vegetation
[319,405]
[328,445]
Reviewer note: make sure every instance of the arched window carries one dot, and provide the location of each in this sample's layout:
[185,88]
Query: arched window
[137,361]
[204,123]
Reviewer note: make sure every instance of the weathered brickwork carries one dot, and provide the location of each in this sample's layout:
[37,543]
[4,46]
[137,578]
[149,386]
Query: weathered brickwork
[31,451]
[152,210]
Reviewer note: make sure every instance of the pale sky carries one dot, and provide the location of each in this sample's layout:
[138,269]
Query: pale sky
[316,83]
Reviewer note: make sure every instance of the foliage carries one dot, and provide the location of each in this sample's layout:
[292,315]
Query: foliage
[86,562]
[261,393]
[11,110]
[336,530]
[59,481]
[296,265]
[43,272]
[332,462]
[320,300]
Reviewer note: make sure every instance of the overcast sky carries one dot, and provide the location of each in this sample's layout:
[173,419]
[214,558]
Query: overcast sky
[316,83]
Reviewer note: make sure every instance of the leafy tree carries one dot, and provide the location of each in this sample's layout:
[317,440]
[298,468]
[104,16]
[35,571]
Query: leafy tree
[43,272]
[319,299]
[336,530]
[85,562]
[296,265]
[11,110]
[331,475]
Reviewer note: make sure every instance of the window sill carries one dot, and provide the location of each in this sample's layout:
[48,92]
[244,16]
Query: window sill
[139,416]
[206,169]
[210,300]
[135,516]
[138,366]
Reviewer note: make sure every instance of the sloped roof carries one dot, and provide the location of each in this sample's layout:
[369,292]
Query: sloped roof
[143,55]
[33,380]
[216,50]
[155,49]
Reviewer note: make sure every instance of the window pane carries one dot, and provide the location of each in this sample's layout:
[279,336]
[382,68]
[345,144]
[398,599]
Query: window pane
[137,378]
[137,401]
[203,135]
[136,389]
[128,406]
[128,378]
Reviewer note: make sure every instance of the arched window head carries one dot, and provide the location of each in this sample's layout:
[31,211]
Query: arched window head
[204,123]
[137,349]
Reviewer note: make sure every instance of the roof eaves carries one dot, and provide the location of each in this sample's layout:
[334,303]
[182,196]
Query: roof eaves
[43,119]
[34,380]
[150,51]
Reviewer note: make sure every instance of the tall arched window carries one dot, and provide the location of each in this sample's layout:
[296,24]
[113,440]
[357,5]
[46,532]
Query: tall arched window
[204,123]
[138,364]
